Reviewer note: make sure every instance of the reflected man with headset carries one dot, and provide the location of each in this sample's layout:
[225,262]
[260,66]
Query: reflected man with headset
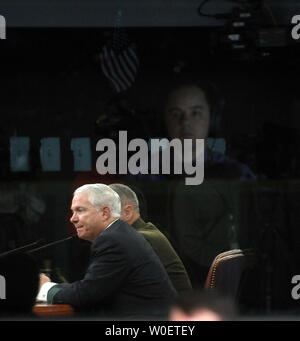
[202,216]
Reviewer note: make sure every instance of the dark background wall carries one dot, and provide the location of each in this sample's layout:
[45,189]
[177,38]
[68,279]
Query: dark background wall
[52,85]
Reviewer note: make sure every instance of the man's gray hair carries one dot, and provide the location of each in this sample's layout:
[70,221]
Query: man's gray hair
[100,195]
[126,194]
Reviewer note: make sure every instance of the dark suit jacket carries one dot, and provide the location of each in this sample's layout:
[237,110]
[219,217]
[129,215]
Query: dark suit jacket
[125,278]
[166,254]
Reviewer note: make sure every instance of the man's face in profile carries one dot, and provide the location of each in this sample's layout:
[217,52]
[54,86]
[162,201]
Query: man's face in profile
[85,218]
[187,114]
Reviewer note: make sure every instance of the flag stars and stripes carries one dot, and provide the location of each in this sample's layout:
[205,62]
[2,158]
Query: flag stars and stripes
[120,67]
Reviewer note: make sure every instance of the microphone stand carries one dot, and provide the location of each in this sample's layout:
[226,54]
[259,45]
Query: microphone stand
[29,246]
[51,244]
[21,249]
[26,247]
[49,271]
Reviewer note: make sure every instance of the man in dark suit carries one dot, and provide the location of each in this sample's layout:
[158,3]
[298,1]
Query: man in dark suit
[130,213]
[125,278]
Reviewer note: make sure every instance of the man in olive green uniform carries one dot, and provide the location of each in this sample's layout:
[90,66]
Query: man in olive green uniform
[131,214]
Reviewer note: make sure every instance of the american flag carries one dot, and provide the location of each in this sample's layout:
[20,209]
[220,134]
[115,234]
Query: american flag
[119,62]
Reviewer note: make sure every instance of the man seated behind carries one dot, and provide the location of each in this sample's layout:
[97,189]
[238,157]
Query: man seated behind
[125,278]
[131,214]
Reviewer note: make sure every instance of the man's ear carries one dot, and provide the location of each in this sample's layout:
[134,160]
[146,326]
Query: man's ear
[105,211]
[128,212]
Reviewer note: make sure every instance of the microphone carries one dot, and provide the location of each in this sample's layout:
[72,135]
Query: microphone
[22,248]
[52,243]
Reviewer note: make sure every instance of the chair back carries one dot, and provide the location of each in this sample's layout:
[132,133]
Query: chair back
[227,270]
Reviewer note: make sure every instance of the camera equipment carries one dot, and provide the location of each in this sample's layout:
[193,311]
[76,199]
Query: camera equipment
[250,31]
